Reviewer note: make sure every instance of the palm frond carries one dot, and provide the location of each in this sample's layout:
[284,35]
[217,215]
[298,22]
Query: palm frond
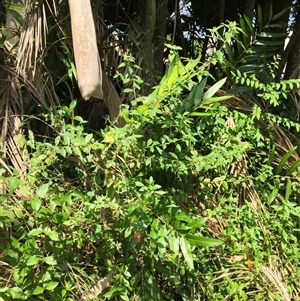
[260,46]
[11,109]
[33,38]
[274,278]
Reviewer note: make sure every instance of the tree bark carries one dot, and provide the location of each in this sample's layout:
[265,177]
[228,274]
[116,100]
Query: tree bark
[148,49]
[248,8]
[221,19]
[86,54]
[291,54]
[160,33]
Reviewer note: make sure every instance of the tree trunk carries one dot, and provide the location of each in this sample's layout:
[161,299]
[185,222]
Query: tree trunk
[221,19]
[160,33]
[292,52]
[86,54]
[148,47]
[248,8]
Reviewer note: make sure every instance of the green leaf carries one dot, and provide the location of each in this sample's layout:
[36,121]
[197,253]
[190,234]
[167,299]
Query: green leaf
[18,212]
[231,57]
[50,285]
[152,287]
[161,268]
[200,114]
[53,235]
[33,260]
[293,167]
[181,216]
[13,184]
[174,242]
[284,159]
[212,90]
[162,240]
[36,204]
[38,290]
[197,223]
[215,99]
[3,35]
[42,190]
[186,251]
[273,195]
[173,47]
[50,260]
[277,16]
[288,189]
[201,241]
[250,25]
[265,34]
[35,232]
[267,43]
[199,91]
[18,17]
[128,231]
[72,105]
[260,18]
[154,232]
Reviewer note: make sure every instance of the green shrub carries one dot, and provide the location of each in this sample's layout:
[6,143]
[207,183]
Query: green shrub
[146,202]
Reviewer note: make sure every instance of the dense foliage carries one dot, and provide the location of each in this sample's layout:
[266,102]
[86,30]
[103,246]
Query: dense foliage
[144,203]
[196,197]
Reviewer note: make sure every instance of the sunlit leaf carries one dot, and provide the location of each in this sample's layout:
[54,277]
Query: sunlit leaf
[284,159]
[197,97]
[213,89]
[49,286]
[42,190]
[13,184]
[38,290]
[186,251]
[197,240]
[35,232]
[33,260]
[50,260]
[174,242]
[288,189]
[53,235]
[36,204]
[293,167]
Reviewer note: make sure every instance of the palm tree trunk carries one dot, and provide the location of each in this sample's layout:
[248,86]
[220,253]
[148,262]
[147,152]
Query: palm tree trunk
[86,54]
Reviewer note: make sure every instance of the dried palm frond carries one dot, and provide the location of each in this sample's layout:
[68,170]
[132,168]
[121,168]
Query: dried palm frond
[13,88]
[11,110]
[99,287]
[112,101]
[33,38]
[274,279]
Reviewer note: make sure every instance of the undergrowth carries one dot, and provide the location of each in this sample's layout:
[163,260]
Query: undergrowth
[185,202]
